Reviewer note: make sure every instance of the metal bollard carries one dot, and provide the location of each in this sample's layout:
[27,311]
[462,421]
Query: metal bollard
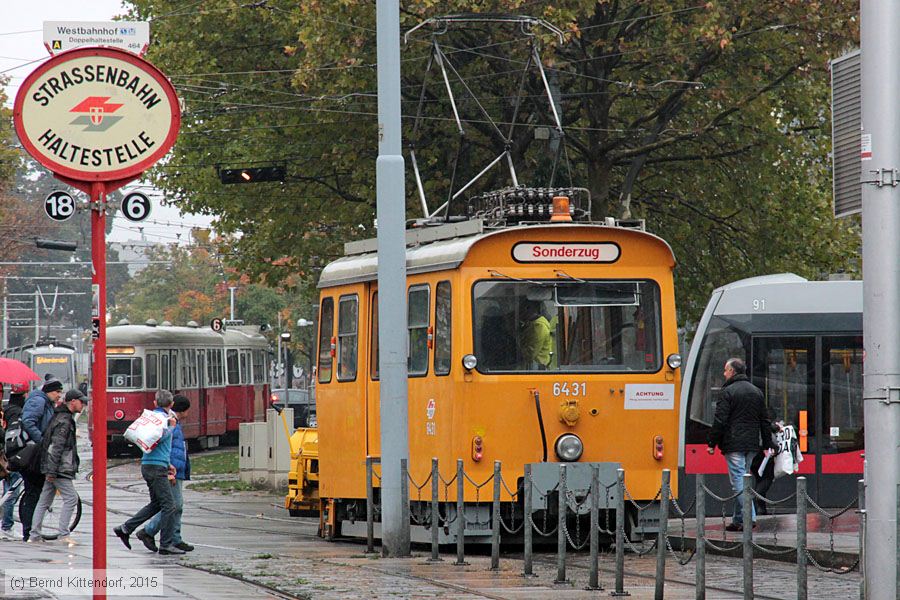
[460,514]
[661,537]
[528,569]
[700,573]
[561,527]
[747,514]
[593,576]
[495,520]
[861,503]
[435,512]
[620,535]
[801,539]
[370,508]
[404,502]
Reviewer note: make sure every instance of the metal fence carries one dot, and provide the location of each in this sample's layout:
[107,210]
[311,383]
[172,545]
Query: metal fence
[595,500]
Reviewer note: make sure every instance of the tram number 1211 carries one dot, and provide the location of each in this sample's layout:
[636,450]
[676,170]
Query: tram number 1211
[569,389]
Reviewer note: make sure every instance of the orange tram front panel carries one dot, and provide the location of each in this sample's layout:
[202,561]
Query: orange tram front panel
[603,294]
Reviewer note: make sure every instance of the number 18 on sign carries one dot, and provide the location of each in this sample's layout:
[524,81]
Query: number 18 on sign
[59,206]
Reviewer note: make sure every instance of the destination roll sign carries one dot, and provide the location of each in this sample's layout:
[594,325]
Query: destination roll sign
[97,114]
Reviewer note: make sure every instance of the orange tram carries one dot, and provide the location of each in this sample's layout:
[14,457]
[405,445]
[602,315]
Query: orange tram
[485,382]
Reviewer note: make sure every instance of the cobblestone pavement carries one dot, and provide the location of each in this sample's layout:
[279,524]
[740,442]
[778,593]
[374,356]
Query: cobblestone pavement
[246,538]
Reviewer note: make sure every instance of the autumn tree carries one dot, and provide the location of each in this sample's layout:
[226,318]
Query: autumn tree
[708,120]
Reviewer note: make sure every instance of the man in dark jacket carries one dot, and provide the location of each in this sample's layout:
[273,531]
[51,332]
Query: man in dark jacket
[36,417]
[182,463]
[12,414]
[59,463]
[740,429]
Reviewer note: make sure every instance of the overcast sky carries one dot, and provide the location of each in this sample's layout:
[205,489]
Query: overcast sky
[22,50]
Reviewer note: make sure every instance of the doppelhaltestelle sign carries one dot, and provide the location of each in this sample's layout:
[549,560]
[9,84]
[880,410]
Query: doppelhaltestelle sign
[97,114]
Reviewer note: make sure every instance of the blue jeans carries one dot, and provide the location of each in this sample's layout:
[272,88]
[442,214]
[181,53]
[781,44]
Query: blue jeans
[10,504]
[161,500]
[152,527]
[738,466]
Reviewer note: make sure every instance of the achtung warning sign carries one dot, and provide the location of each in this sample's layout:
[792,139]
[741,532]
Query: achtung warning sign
[97,114]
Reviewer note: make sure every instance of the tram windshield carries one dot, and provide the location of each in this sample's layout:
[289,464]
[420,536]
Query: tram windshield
[723,341]
[55,366]
[573,326]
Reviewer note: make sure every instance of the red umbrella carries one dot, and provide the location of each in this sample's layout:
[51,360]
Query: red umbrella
[13,371]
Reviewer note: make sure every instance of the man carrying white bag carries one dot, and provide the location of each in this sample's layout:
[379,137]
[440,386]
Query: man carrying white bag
[157,471]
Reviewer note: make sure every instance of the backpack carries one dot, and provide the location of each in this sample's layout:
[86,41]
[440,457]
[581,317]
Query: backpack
[16,437]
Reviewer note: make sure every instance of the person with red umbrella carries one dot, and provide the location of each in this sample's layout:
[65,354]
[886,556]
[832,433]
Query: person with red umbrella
[11,414]
[36,417]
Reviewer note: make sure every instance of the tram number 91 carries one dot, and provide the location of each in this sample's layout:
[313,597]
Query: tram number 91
[569,389]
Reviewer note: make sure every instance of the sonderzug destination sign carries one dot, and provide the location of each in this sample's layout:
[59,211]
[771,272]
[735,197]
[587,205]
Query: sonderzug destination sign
[97,113]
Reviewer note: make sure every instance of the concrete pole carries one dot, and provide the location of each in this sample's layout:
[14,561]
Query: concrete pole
[391,215]
[5,322]
[880,52]
[37,319]
[231,291]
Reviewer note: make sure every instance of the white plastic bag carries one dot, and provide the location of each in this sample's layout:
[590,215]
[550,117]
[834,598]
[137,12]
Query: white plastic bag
[784,464]
[788,459]
[147,430]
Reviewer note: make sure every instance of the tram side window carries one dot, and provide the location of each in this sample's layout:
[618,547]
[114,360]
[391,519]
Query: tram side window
[152,380]
[259,366]
[326,327]
[374,336]
[721,342]
[231,362]
[124,373]
[442,322]
[348,312]
[842,391]
[164,374]
[417,324]
[214,367]
[244,367]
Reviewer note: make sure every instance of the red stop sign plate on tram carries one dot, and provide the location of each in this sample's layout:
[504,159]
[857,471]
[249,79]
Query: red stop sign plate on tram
[97,114]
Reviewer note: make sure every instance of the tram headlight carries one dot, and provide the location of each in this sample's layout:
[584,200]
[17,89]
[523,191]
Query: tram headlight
[569,447]
[674,361]
[469,362]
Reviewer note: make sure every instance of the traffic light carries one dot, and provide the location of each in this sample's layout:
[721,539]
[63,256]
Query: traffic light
[252,174]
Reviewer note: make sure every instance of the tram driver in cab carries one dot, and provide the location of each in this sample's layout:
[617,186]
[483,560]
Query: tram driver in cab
[537,337]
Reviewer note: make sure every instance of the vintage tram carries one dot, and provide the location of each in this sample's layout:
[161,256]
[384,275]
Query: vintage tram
[604,392]
[225,376]
[49,359]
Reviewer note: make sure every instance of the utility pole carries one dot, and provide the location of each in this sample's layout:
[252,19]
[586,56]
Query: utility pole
[880,146]
[37,319]
[391,215]
[231,290]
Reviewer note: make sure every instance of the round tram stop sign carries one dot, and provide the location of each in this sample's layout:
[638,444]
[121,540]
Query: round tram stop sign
[97,114]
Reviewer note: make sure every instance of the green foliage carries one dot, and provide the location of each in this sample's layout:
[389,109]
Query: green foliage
[708,120]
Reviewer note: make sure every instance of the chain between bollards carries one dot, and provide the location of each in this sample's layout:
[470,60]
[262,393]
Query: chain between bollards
[435,512]
[700,573]
[663,532]
[561,530]
[460,514]
[528,567]
[801,539]
[746,499]
[495,520]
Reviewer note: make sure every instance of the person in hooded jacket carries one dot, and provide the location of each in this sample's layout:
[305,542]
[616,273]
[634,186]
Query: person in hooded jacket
[36,415]
[12,413]
[740,429]
[59,464]
[182,463]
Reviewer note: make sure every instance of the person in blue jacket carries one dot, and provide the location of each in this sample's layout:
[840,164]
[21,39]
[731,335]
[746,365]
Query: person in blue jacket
[36,415]
[155,469]
[182,463]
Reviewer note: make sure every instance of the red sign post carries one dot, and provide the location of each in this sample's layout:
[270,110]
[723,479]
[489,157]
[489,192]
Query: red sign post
[97,118]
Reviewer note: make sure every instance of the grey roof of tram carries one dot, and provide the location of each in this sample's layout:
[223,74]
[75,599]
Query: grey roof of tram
[188,336]
[787,293]
[425,256]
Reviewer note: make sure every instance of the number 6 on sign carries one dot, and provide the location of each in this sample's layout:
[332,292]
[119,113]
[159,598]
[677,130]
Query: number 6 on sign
[136,206]
[59,206]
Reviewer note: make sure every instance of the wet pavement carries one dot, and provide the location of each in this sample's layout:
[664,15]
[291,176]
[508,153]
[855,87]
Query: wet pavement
[248,547]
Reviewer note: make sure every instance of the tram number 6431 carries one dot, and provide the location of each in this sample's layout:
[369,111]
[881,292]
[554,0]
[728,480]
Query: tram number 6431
[569,389]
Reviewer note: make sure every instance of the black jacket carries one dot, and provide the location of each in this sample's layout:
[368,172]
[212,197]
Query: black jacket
[741,423]
[59,454]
